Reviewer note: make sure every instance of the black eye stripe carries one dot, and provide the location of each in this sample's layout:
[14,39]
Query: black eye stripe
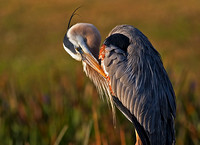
[68,44]
[119,40]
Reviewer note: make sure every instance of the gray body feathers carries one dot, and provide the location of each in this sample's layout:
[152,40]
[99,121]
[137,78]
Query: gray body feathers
[140,82]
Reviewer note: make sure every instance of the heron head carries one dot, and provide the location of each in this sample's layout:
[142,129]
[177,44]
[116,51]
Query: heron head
[82,42]
[82,38]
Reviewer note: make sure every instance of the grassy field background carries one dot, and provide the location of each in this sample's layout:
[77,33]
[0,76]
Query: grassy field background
[45,98]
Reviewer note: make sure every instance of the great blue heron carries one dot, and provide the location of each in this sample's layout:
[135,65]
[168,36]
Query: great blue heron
[130,72]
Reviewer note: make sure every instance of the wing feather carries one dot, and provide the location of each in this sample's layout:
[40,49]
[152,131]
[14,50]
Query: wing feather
[120,71]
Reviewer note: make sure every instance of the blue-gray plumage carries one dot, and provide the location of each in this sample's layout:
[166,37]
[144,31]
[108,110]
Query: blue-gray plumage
[140,82]
[131,75]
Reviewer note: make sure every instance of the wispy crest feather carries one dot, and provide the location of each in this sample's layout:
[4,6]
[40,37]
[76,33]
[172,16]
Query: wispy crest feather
[70,19]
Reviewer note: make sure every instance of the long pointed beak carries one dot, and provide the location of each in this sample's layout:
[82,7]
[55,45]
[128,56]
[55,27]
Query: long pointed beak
[95,65]
[90,60]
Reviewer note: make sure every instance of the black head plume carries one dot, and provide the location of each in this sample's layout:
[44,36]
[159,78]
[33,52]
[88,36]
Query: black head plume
[73,14]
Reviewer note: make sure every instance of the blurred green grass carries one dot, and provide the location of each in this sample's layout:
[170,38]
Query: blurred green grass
[43,90]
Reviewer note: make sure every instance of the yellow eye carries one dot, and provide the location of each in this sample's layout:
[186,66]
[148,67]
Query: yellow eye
[79,50]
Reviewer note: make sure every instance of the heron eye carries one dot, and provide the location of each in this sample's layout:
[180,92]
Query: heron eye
[79,49]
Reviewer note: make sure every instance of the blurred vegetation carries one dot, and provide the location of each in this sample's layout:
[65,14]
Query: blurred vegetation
[45,98]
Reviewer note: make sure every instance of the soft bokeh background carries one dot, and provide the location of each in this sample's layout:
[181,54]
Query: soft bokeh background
[45,98]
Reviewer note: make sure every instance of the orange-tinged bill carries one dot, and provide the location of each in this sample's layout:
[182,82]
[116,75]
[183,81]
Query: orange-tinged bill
[94,64]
